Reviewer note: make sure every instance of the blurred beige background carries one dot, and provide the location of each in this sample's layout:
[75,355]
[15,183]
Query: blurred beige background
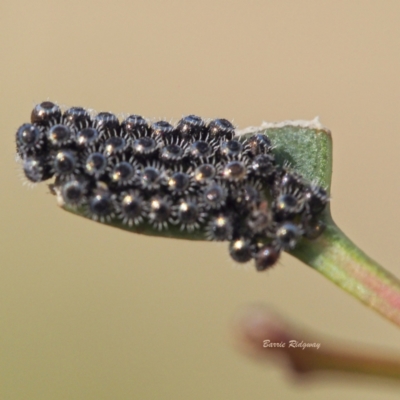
[90,312]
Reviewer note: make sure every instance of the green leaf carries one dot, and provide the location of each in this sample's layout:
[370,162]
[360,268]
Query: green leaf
[307,147]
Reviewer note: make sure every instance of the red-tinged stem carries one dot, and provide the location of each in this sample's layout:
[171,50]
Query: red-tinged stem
[341,261]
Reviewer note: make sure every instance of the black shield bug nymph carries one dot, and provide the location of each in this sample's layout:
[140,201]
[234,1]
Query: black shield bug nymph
[131,207]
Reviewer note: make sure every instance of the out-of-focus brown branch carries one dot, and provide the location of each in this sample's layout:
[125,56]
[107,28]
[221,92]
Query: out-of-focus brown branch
[262,334]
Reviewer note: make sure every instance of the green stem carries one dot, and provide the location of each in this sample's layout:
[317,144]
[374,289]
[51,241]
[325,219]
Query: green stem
[336,257]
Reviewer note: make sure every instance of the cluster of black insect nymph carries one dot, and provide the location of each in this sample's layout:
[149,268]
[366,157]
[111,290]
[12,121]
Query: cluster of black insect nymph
[195,175]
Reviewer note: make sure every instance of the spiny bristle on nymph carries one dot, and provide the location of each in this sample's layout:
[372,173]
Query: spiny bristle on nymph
[196,175]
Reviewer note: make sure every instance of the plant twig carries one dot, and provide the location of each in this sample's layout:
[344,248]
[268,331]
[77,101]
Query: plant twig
[342,262]
[259,330]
